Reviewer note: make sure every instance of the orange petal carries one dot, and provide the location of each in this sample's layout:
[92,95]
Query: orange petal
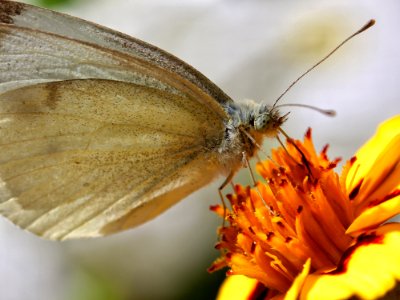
[368,270]
[294,291]
[376,163]
[375,215]
[238,287]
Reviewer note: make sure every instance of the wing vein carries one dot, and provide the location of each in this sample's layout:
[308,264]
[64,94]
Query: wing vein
[154,182]
[158,156]
[106,186]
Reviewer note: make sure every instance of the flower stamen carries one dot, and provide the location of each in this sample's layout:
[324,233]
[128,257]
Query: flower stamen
[305,212]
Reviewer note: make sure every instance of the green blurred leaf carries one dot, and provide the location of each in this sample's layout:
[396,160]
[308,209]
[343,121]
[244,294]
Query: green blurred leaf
[53,3]
[91,285]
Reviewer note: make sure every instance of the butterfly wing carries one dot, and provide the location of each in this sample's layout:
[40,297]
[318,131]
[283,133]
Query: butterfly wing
[85,158]
[82,158]
[148,60]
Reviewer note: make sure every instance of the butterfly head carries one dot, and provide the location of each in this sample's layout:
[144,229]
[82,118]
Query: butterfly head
[257,119]
[268,120]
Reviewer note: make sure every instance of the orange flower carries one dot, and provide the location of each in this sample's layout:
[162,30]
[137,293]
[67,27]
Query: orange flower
[309,233]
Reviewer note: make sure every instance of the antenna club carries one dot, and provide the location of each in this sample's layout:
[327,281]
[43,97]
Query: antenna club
[368,25]
[330,113]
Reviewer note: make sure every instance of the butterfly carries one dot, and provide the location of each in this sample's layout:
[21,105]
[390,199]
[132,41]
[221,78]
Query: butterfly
[100,132]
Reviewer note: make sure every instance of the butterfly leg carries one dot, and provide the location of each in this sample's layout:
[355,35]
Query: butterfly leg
[227,180]
[247,164]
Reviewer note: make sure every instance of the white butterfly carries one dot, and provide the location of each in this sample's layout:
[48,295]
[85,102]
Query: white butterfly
[100,132]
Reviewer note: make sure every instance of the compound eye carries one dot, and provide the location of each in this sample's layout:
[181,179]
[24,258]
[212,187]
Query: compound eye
[265,122]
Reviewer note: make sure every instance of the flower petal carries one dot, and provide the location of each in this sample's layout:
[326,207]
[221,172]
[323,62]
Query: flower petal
[239,287]
[375,168]
[368,270]
[294,291]
[375,215]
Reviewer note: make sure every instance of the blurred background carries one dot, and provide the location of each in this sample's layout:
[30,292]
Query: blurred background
[252,49]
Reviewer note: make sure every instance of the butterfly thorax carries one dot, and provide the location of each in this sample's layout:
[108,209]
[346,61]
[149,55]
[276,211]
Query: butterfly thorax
[248,124]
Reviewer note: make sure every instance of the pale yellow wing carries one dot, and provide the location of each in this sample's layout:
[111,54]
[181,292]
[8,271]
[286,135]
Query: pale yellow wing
[85,158]
[41,45]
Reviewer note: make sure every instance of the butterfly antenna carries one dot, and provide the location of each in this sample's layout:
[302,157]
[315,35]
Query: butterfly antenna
[326,112]
[365,27]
